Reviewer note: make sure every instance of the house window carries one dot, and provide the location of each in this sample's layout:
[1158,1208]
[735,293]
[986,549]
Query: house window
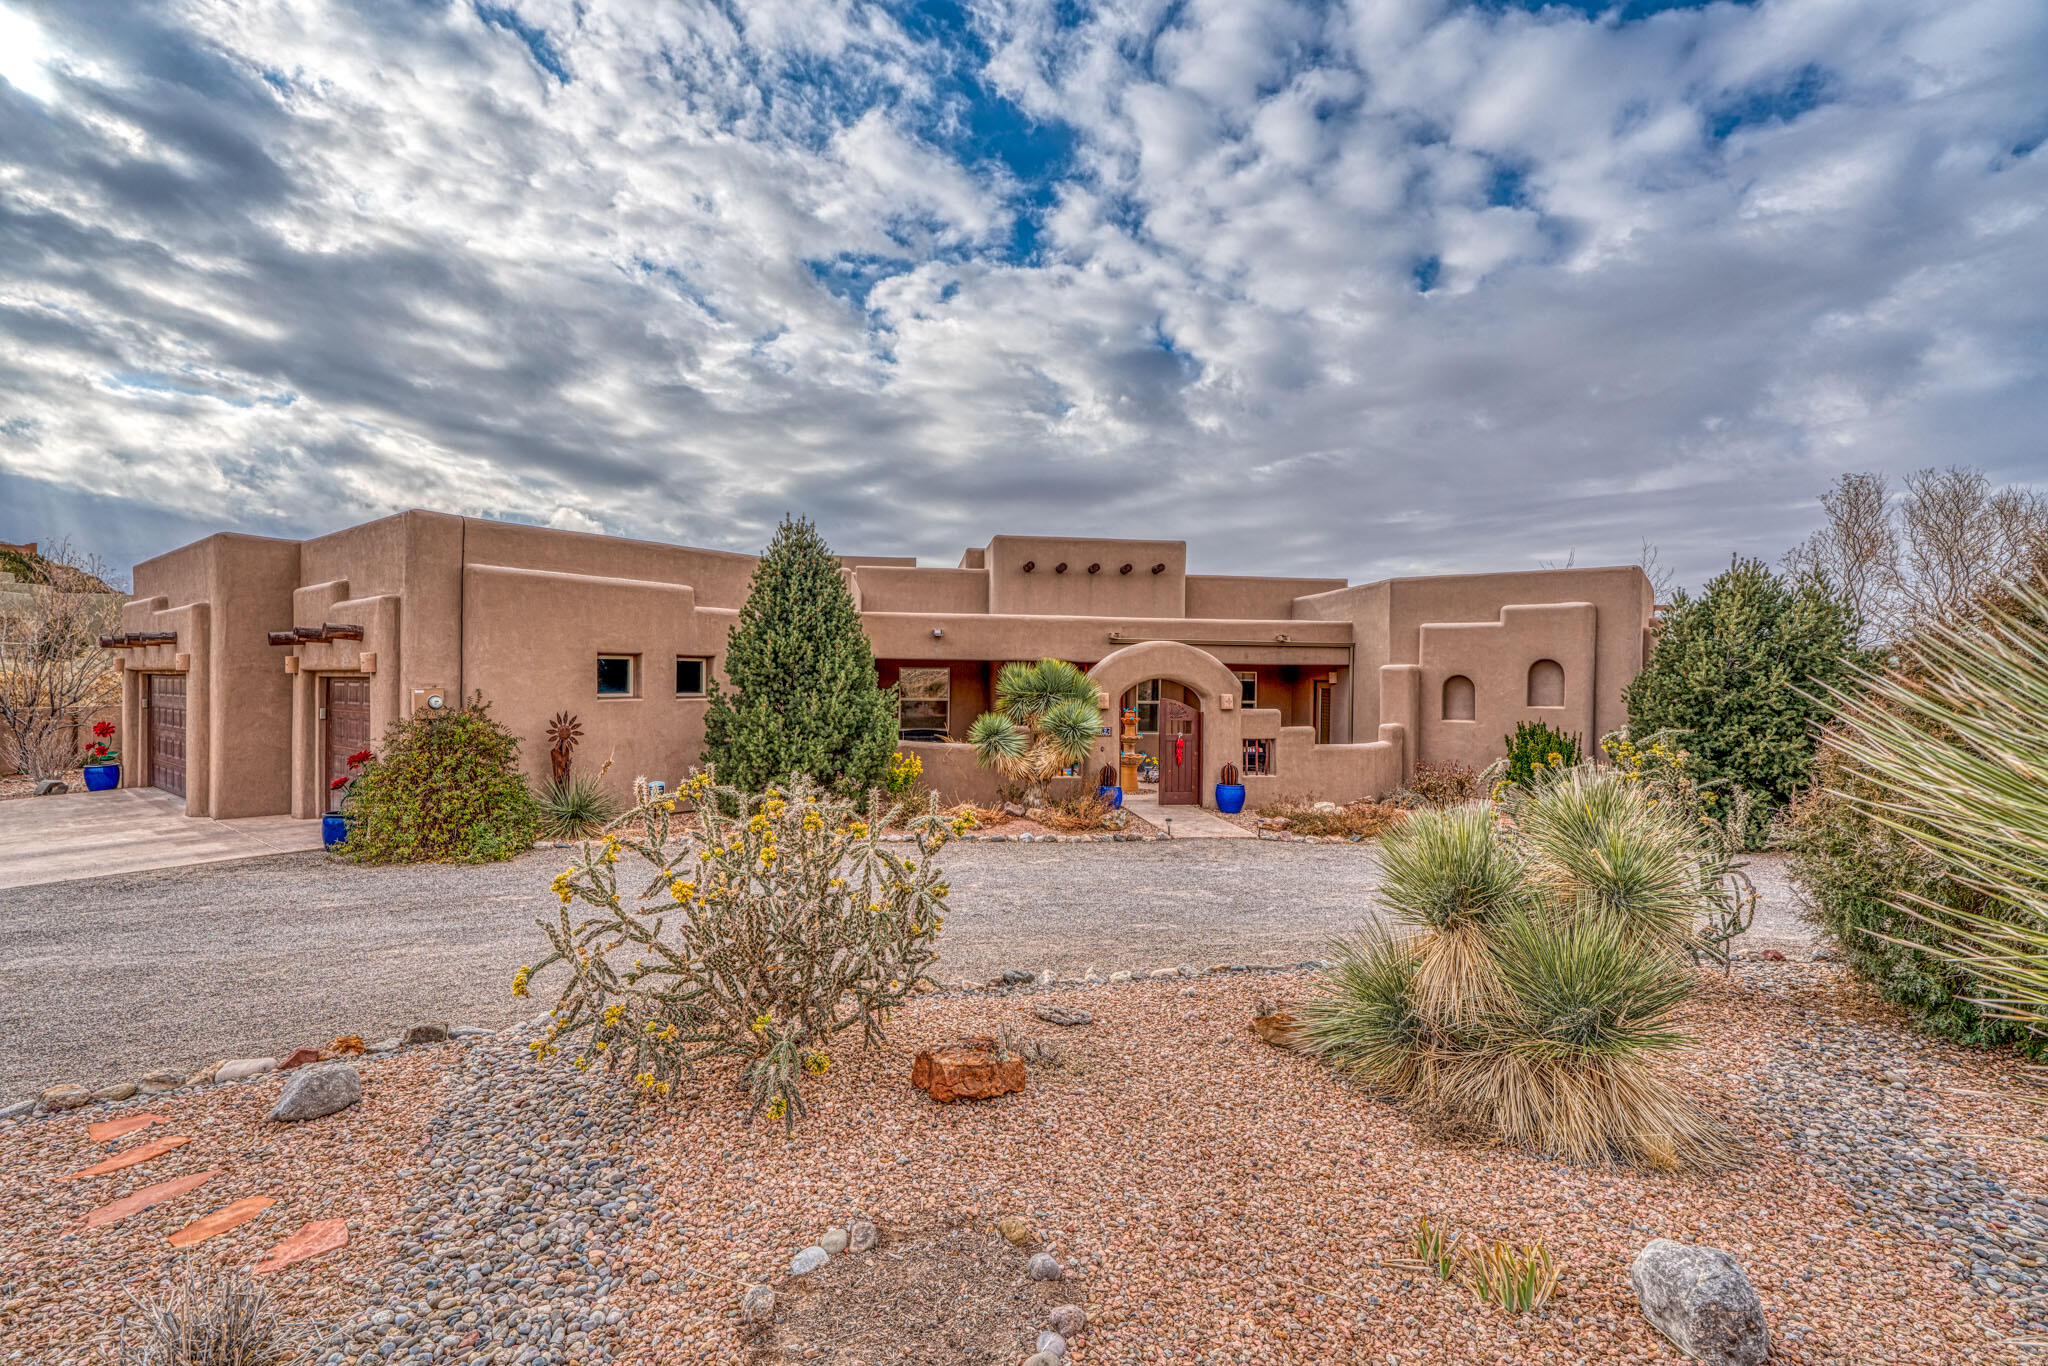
[1258,756]
[690,676]
[1461,699]
[1147,697]
[1248,690]
[615,675]
[924,701]
[1546,683]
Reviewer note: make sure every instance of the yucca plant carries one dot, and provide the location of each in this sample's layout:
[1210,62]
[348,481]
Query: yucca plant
[1450,874]
[1601,842]
[1365,1020]
[1436,1247]
[576,809]
[1047,719]
[1954,745]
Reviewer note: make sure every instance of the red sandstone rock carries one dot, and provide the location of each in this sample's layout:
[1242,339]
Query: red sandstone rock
[966,1069]
[299,1058]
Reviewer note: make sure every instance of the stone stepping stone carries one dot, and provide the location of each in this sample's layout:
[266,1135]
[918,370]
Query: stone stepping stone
[322,1235]
[148,1197]
[128,1159]
[108,1130]
[221,1220]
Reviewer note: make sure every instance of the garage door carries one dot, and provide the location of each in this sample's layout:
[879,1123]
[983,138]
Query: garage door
[347,728]
[167,732]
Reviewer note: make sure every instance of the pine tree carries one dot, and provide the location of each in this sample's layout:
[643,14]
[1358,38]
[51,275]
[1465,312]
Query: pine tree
[1740,667]
[802,676]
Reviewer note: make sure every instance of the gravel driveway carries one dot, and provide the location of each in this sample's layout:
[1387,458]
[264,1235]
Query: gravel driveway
[102,980]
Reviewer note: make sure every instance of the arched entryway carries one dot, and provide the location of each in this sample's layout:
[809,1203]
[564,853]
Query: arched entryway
[1207,720]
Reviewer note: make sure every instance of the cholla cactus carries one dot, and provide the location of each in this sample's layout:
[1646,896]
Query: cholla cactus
[781,920]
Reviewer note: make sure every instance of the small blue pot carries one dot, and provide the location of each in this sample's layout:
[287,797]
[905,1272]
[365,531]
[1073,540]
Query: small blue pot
[333,828]
[102,777]
[1112,797]
[1230,798]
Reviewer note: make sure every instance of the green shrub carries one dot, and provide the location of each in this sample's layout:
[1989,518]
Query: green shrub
[442,789]
[1740,670]
[576,809]
[1536,747]
[778,922]
[801,694]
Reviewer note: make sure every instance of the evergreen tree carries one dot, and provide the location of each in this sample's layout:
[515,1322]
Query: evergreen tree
[1740,668]
[802,675]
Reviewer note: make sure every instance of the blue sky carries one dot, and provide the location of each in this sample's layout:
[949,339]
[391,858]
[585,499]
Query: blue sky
[1385,287]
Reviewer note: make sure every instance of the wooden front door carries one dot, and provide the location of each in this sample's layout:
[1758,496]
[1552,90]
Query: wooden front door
[347,728]
[1180,754]
[167,732]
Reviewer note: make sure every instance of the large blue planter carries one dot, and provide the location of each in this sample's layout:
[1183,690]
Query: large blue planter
[102,777]
[1112,797]
[333,828]
[1230,798]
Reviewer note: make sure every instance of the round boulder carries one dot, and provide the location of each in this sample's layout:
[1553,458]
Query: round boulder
[1699,1298]
[316,1091]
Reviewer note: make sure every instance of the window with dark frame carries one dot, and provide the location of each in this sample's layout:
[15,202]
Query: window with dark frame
[1258,757]
[1147,699]
[615,675]
[924,700]
[690,676]
[1247,689]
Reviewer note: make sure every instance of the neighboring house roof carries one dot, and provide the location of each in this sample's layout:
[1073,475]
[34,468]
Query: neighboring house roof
[23,565]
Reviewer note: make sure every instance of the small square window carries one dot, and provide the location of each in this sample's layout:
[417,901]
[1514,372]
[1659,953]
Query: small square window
[1248,690]
[1258,756]
[690,676]
[615,675]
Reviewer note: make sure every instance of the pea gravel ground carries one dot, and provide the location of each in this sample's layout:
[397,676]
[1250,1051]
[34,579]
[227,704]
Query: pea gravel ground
[1212,1199]
[103,980]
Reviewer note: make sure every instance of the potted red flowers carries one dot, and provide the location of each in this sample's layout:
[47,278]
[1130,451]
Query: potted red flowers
[334,825]
[102,761]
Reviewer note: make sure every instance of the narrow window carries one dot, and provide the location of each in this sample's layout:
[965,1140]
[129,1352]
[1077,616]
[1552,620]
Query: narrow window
[615,675]
[1546,683]
[1461,701]
[1148,707]
[1247,690]
[924,702]
[690,676]
[1258,756]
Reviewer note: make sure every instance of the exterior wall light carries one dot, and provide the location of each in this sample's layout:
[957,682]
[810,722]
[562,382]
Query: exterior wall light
[936,633]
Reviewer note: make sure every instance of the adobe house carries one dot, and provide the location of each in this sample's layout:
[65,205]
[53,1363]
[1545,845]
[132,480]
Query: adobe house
[252,667]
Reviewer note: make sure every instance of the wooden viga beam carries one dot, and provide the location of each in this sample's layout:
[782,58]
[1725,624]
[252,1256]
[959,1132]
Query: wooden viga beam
[130,639]
[314,634]
[340,631]
[282,637]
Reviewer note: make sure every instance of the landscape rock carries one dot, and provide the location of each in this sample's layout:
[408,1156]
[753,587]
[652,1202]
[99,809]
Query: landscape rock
[1119,976]
[1042,1267]
[1276,1024]
[65,1097]
[966,1069]
[1699,1299]
[1068,1319]
[382,1046]
[163,1079]
[1018,976]
[1823,954]
[807,1261]
[834,1241]
[470,1032]
[860,1236]
[120,1090]
[1051,1345]
[1188,970]
[1062,1015]
[758,1304]
[299,1058]
[204,1076]
[1013,810]
[1041,1359]
[318,1091]
[241,1069]
[1015,1228]
[52,787]
[430,1032]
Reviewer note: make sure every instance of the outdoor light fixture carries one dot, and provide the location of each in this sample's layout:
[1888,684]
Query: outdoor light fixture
[936,633]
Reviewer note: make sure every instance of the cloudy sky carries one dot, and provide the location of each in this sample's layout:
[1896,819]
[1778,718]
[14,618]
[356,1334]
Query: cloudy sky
[1391,286]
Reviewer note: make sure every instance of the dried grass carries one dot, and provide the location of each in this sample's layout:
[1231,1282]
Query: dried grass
[207,1320]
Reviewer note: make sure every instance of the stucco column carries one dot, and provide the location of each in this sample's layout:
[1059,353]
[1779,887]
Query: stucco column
[202,761]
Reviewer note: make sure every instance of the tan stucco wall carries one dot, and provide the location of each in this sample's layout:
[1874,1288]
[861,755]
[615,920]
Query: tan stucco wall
[1108,593]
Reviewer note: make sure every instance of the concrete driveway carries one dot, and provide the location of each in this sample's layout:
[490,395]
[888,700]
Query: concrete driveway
[94,834]
[105,979]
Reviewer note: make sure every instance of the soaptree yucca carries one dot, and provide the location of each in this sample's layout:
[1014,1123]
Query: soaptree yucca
[1047,718]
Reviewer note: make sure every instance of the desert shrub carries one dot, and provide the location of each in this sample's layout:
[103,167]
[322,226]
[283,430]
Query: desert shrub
[1444,784]
[1046,720]
[902,775]
[1742,670]
[1363,819]
[1530,980]
[442,788]
[207,1320]
[1083,811]
[575,809]
[1725,812]
[777,922]
[1535,747]
[800,693]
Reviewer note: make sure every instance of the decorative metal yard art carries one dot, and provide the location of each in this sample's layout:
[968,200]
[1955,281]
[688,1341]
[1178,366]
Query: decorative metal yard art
[563,733]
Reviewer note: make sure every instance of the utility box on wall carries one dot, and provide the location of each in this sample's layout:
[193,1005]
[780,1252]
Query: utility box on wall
[431,701]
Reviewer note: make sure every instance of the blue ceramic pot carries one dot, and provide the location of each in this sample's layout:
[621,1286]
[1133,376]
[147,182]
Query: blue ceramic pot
[1230,798]
[102,777]
[333,828]
[1112,797]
